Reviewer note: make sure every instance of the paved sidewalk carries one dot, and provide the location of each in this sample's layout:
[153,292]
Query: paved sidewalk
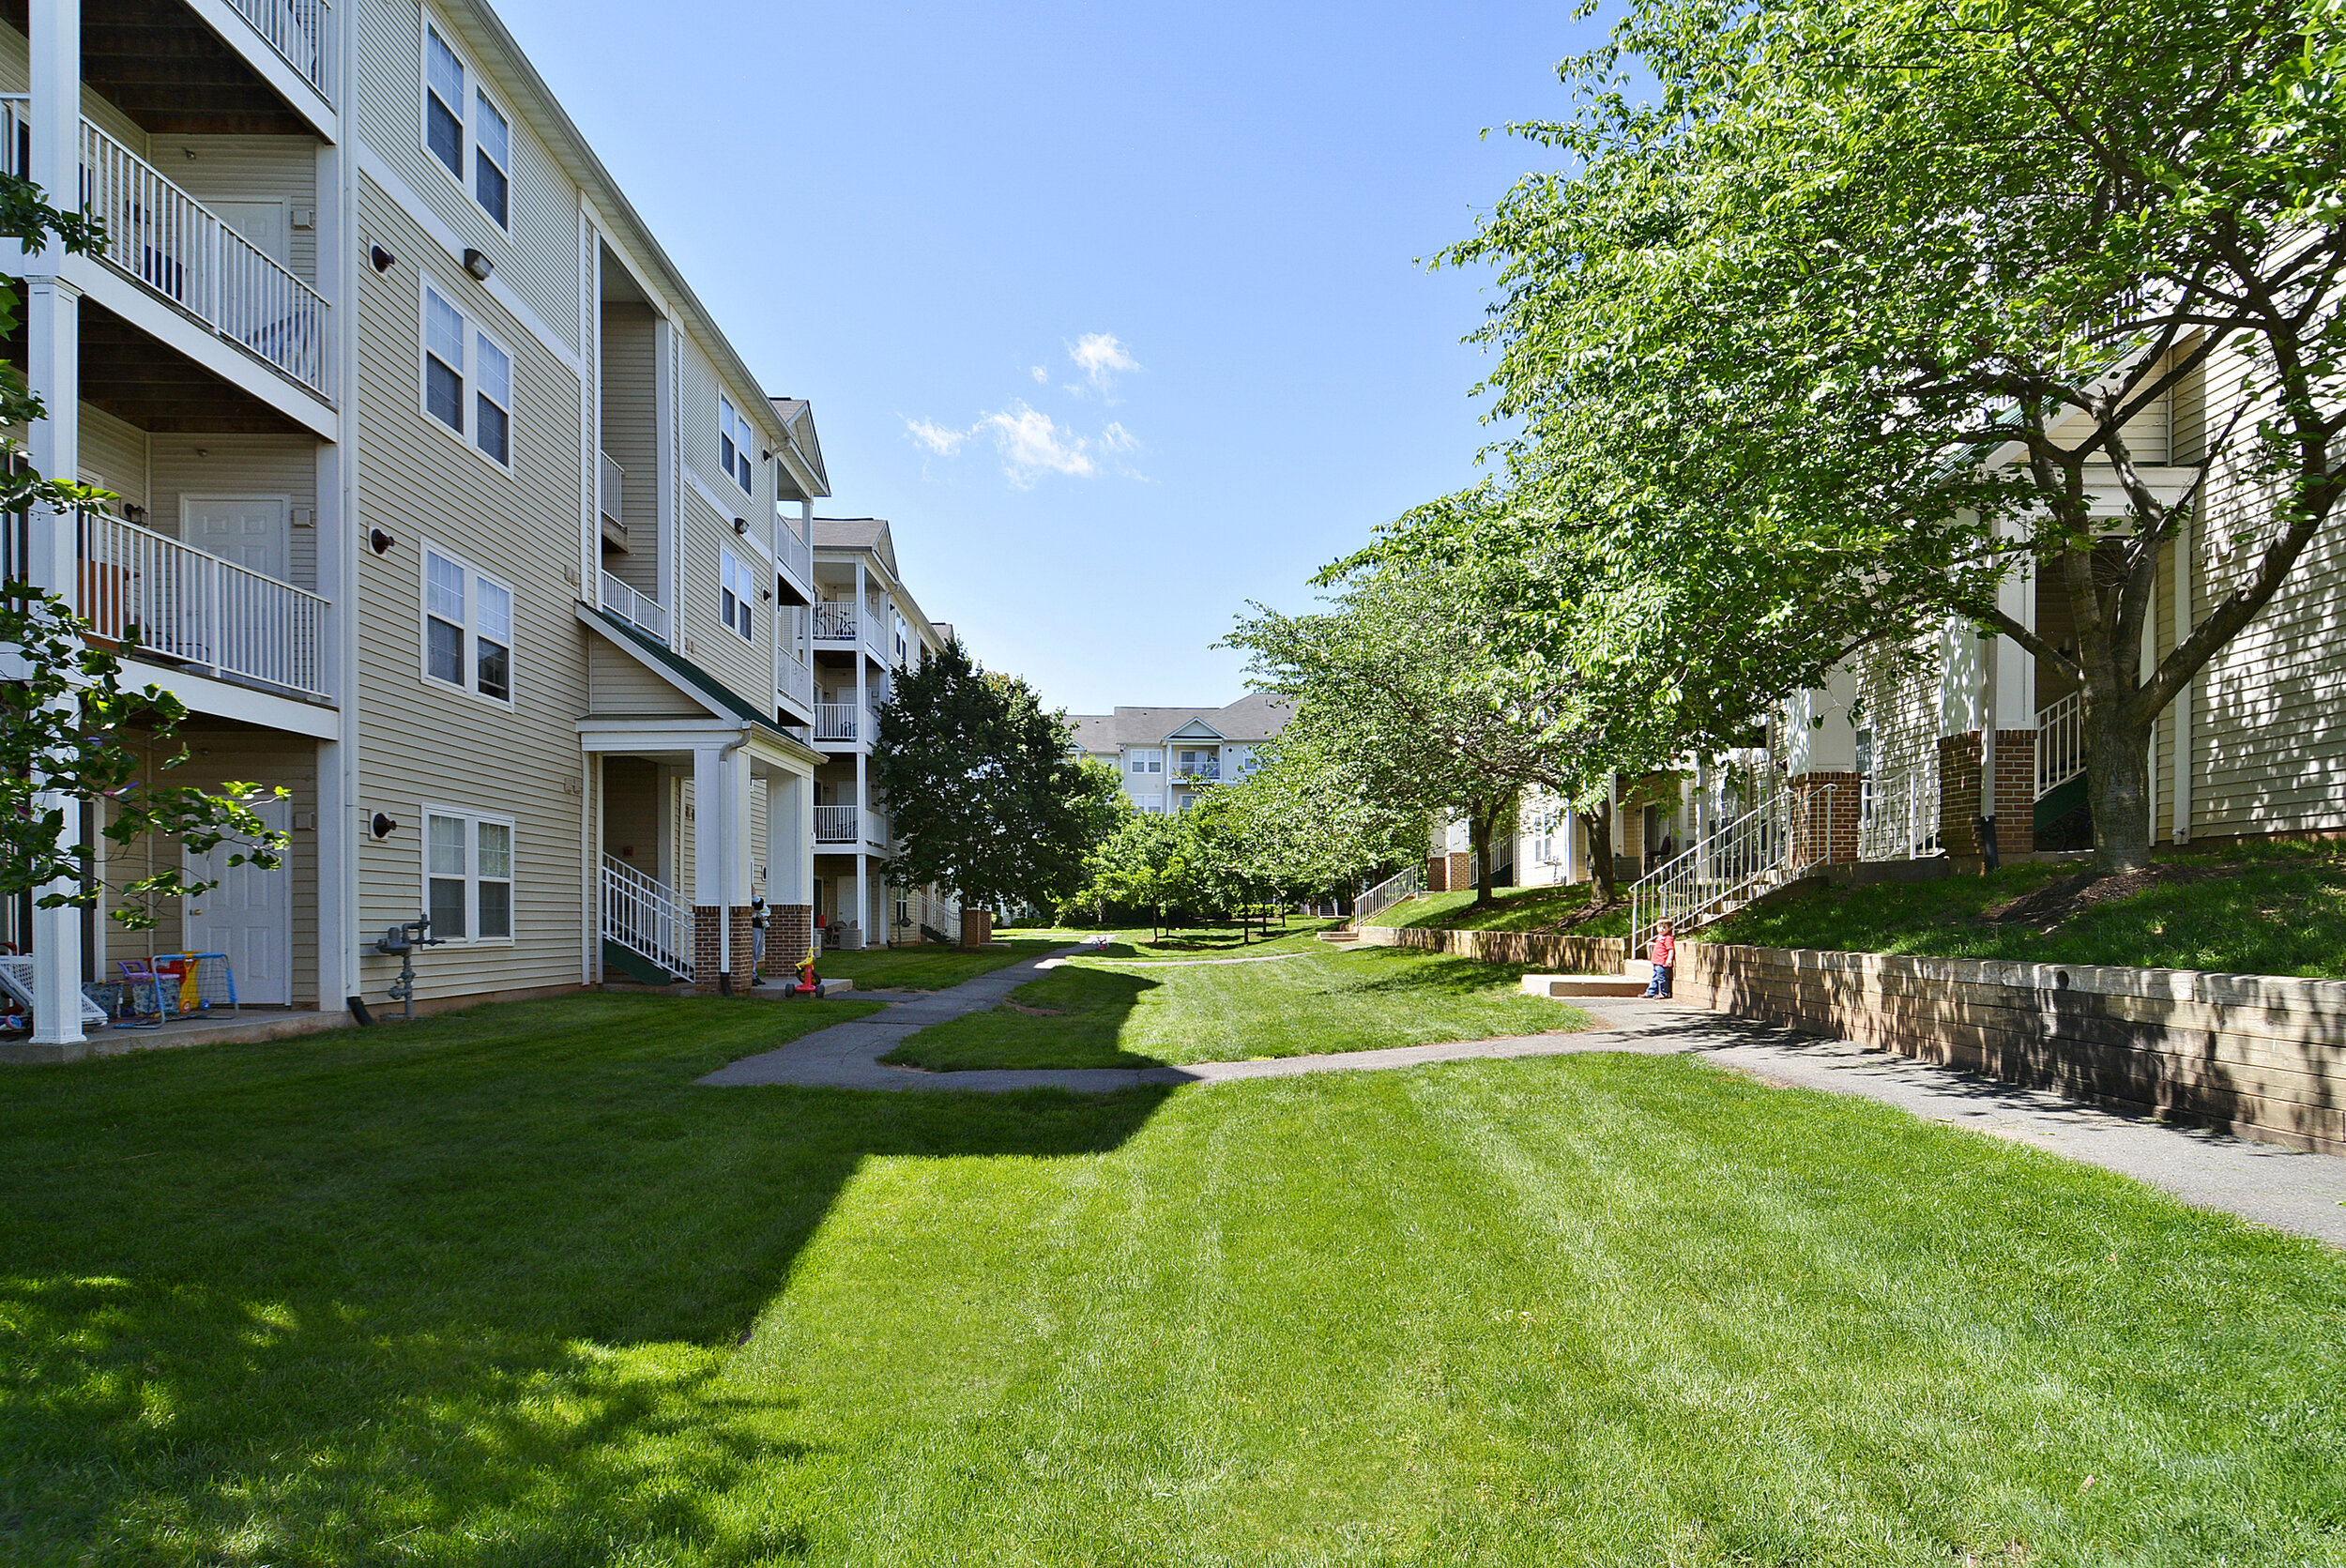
[2281,1187]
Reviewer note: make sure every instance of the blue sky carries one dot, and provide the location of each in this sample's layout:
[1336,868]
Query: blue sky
[1113,311]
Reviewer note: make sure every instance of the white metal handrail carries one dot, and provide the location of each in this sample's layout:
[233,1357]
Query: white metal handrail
[296,30]
[2060,742]
[876,635]
[193,607]
[835,824]
[837,721]
[175,245]
[792,680]
[611,490]
[643,916]
[1403,885]
[834,621]
[1899,817]
[638,609]
[796,554]
[1765,848]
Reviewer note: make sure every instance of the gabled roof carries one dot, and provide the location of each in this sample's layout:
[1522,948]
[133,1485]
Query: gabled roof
[797,424]
[685,676]
[857,533]
[1254,717]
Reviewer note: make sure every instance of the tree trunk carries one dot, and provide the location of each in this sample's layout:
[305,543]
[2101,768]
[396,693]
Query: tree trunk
[2118,783]
[1479,825]
[1600,826]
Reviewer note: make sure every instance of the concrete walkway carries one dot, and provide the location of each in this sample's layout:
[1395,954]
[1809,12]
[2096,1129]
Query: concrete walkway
[2283,1188]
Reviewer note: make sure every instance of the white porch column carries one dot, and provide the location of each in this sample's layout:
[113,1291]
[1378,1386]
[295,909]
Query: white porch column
[721,836]
[863,753]
[52,326]
[789,840]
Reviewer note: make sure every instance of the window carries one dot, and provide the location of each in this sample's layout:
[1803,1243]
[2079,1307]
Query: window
[446,102]
[467,627]
[734,442]
[1152,805]
[736,593]
[468,876]
[490,157]
[1148,762]
[455,349]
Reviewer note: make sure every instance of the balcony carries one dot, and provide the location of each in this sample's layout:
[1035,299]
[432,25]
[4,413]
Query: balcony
[793,682]
[837,721]
[638,609]
[838,825]
[610,491]
[178,250]
[834,622]
[1196,772]
[797,557]
[192,608]
[300,32]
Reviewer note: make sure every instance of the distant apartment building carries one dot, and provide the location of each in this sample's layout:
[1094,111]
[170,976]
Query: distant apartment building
[444,504]
[1165,757]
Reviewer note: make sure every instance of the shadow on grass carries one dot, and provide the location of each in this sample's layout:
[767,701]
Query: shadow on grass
[1071,1017]
[1409,971]
[462,1291]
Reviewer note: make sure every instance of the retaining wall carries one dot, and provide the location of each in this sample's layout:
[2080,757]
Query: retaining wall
[2257,1055]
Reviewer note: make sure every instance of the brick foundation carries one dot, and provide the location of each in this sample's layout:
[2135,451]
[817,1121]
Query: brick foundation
[709,949]
[789,933]
[2016,794]
[977,927]
[1825,813]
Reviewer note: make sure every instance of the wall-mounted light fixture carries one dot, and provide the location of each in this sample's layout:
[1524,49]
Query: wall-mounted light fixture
[132,512]
[767,456]
[381,258]
[479,265]
[740,524]
[384,826]
[378,540]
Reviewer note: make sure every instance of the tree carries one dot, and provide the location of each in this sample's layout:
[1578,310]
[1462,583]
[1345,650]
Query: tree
[1848,323]
[1138,865]
[1400,691]
[984,791]
[63,713]
[1315,826]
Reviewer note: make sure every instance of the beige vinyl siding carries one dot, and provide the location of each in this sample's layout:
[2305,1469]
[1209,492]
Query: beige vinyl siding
[181,465]
[422,743]
[746,667]
[538,259]
[2269,727]
[633,792]
[631,434]
[114,456]
[255,169]
[617,683]
[16,75]
[1897,691]
[758,867]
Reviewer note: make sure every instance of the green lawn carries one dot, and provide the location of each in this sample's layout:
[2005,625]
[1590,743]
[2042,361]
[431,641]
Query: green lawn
[2266,910]
[503,1290]
[927,968]
[1510,910]
[1100,1013]
[1219,941]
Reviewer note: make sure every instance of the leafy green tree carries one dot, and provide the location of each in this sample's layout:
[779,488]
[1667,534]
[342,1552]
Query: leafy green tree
[65,720]
[1138,865]
[1316,828]
[1841,312]
[983,787]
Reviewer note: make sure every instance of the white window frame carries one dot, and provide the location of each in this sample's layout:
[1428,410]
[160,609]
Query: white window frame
[736,583]
[468,375]
[1148,760]
[470,633]
[473,821]
[475,91]
[1152,805]
[734,431]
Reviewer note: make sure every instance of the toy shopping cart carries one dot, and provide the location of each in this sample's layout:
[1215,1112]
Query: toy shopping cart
[207,982]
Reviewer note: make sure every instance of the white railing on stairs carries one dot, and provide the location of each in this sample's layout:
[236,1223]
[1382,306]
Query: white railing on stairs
[1402,886]
[2060,742]
[1899,817]
[1767,846]
[192,607]
[643,916]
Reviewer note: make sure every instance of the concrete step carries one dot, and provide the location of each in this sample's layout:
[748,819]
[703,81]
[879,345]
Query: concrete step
[1565,986]
[1639,970]
[1339,935]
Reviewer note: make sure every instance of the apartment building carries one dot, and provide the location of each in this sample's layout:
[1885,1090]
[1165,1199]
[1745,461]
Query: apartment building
[863,627]
[444,504]
[1165,756]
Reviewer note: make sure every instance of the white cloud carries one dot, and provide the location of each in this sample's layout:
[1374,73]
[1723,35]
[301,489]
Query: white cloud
[1115,439]
[1032,444]
[1042,376]
[1100,357]
[935,438]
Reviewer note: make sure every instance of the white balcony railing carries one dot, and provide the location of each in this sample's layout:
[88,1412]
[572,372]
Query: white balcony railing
[166,239]
[611,490]
[792,680]
[837,721]
[835,824]
[638,610]
[2060,742]
[297,30]
[834,622]
[640,914]
[1898,817]
[796,554]
[193,608]
[876,635]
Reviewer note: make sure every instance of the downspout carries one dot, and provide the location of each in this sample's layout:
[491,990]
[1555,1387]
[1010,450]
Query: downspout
[726,848]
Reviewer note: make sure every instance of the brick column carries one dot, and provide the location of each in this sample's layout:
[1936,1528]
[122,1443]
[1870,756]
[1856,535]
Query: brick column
[1461,869]
[2016,794]
[977,927]
[1437,873]
[1826,816]
[789,932]
[709,949]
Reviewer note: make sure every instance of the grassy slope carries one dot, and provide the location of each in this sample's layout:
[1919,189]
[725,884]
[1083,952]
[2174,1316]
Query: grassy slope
[2283,911]
[470,1293]
[1511,909]
[930,968]
[1318,1000]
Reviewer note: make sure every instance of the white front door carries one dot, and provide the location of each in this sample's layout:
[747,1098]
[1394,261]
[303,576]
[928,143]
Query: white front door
[249,915]
[249,530]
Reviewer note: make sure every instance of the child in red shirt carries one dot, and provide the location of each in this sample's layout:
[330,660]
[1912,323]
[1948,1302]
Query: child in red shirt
[1663,950]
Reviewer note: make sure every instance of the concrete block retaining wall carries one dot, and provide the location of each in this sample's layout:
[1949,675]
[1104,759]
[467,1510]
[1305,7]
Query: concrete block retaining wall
[2257,1055]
